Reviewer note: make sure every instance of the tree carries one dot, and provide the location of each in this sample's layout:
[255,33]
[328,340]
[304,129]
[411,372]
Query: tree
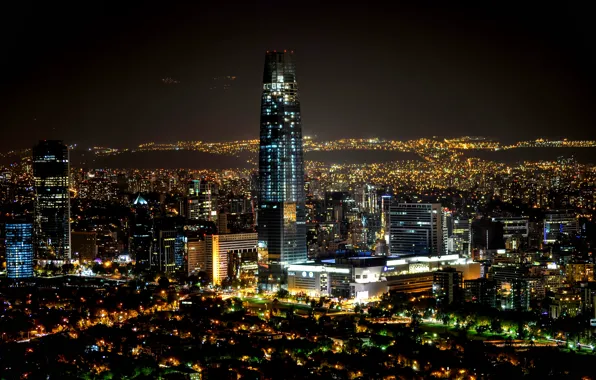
[67,268]
[445,319]
[163,282]
[495,326]
[282,293]
[290,312]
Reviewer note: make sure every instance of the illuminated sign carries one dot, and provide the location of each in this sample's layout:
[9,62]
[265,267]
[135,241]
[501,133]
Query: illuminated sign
[396,262]
[362,295]
[316,269]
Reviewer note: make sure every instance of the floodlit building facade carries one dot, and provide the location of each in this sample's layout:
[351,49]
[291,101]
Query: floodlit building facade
[51,169]
[281,211]
[19,249]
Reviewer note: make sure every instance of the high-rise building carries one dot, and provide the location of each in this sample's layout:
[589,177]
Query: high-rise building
[367,199]
[222,223]
[515,231]
[559,225]
[512,284]
[52,200]
[196,255]
[163,258]
[447,285]
[215,254]
[243,267]
[19,249]
[202,200]
[84,245]
[415,228]
[281,204]
[141,232]
[482,291]
[180,251]
[2,246]
[460,236]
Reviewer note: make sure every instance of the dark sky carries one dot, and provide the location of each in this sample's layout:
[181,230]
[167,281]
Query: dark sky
[89,72]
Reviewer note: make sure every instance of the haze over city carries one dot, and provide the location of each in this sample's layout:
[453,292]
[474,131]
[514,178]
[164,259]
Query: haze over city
[121,75]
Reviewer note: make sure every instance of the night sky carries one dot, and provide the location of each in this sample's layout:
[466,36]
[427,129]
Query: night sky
[91,72]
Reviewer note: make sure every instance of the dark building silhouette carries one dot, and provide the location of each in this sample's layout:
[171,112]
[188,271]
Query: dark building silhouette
[487,234]
[482,291]
[447,285]
[84,245]
[141,232]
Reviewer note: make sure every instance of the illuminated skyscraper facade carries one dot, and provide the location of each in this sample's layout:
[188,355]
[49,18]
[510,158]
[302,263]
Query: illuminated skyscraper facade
[281,211]
[19,250]
[202,200]
[52,200]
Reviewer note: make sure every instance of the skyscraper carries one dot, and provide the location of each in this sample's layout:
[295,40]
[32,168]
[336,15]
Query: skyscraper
[202,200]
[141,232]
[52,200]
[19,249]
[281,207]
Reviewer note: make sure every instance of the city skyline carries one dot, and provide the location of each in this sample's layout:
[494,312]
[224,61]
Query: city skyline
[446,70]
[410,208]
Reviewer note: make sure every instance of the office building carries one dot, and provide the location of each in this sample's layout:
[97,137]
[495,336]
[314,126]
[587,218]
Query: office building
[415,228]
[515,231]
[513,286]
[2,244]
[19,249]
[579,272]
[482,291]
[163,252]
[567,302]
[202,200]
[220,248]
[222,223]
[460,236]
[367,199]
[180,252]
[487,236]
[447,285]
[243,267]
[195,248]
[281,200]
[514,226]
[141,232]
[52,200]
[84,246]
[559,225]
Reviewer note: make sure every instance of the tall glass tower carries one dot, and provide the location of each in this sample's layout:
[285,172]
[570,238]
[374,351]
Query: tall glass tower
[19,249]
[52,200]
[281,211]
